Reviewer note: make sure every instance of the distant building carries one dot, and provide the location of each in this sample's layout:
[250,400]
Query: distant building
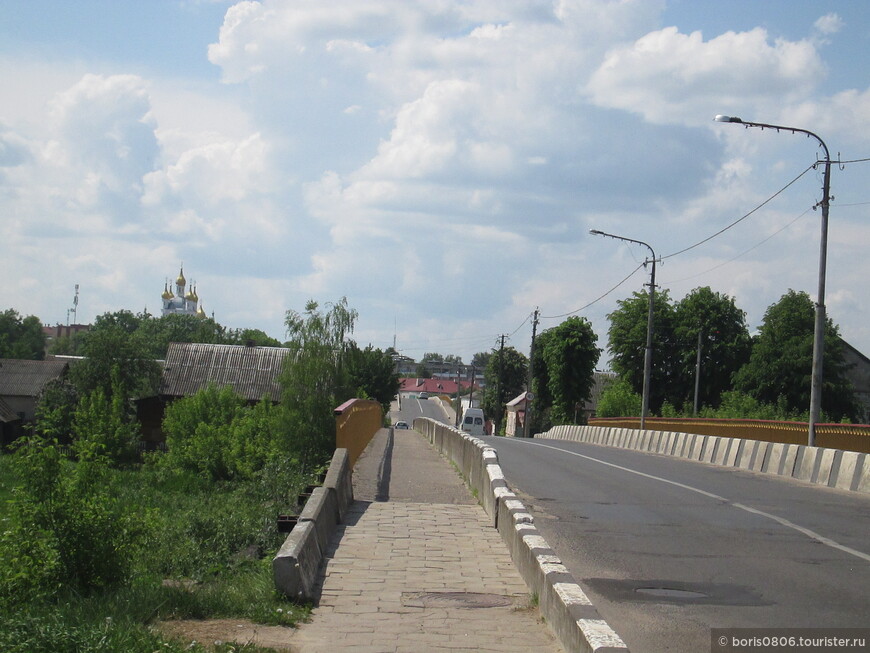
[181,302]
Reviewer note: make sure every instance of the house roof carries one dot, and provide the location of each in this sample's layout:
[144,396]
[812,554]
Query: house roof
[26,378]
[251,371]
[431,386]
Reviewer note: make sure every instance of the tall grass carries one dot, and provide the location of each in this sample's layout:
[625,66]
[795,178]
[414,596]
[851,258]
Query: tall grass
[202,550]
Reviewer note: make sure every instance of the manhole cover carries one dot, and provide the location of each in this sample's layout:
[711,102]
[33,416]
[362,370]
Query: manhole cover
[669,593]
[454,600]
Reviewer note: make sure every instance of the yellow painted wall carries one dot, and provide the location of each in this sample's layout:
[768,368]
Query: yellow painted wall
[356,423]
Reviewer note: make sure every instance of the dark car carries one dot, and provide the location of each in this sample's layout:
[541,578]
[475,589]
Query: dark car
[401,425]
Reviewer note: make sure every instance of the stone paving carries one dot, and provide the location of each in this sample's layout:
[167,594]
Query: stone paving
[406,575]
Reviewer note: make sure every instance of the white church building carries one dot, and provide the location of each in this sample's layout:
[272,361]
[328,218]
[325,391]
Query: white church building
[180,302]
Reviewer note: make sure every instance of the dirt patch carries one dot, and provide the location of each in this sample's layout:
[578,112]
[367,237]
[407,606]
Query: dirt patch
[212,632]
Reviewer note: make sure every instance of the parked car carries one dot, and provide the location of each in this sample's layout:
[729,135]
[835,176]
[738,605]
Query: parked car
[401,425]
[424,395]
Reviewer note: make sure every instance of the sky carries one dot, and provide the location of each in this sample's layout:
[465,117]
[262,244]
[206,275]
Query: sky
[440,164]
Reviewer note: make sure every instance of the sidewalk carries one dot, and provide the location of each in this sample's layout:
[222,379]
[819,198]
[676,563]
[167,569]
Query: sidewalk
[417,567]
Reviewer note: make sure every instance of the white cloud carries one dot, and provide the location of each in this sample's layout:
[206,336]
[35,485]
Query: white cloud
[673,78]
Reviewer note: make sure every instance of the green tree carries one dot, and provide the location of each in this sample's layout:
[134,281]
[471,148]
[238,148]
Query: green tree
[627,343]
[55,410]
[21,337]
[781,361]
[618,399]
[372,375]
[314,379]
[506,375]
[565,367]
[480,360]
[105,427]
[255,337]
[116,343]
[725,346]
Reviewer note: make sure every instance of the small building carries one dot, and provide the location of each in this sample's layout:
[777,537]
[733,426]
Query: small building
[252,372]
[858,373]
[516,416]
[21,384]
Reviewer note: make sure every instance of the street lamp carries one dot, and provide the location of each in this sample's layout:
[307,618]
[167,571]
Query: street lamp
[819,330]
[647,358]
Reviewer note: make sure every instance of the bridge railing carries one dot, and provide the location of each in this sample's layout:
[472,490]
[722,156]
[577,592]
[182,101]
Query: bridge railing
[847,437]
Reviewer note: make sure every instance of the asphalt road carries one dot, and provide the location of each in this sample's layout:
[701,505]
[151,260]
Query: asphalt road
[668,549]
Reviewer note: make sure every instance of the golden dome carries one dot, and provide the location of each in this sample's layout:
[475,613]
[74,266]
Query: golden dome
[200,312]
[181,281]
[167,293]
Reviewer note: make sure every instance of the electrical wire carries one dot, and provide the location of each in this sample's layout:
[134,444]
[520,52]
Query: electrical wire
[741,219]
[731,260]
[597,299]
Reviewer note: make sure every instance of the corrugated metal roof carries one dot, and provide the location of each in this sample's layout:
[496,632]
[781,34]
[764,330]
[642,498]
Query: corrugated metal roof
[251,371]
[25,378]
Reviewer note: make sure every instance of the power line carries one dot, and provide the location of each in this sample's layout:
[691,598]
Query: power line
[596,300]
[741,219]
[731,260]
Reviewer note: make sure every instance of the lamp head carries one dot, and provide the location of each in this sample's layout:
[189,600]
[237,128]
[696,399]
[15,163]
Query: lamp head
[721,118]
[595,232]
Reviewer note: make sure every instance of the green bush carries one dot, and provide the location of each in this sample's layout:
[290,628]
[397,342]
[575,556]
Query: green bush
[619,400]
[66,528]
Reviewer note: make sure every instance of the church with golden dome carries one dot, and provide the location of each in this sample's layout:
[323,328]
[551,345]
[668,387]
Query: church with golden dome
[180,302]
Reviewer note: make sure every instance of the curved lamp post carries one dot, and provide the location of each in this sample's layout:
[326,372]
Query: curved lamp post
[819,330]
[647,358]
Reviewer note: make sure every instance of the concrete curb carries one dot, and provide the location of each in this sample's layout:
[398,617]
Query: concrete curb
[295,566]
[562,602]
[844,470]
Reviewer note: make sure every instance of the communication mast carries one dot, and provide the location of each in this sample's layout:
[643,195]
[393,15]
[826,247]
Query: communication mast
[74,308]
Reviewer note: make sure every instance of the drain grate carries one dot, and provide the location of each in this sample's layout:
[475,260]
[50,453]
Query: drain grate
[455,600]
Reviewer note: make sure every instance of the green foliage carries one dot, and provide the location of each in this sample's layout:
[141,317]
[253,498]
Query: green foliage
[216,435]
[627,343]
[506,375]
[565,359]
[725,346]
[104,427]
[619,400]
[314,379]
[372,376]
[481,359]
[21,337]
[115,343]
[781,361]
[55,410]
[66,528]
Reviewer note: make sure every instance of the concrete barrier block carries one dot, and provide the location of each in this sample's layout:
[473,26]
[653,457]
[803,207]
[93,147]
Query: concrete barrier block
[850,462]
[805,463]
[862,475]
[789,460]
[824,468]
[746,452]
[774,456]
[322,510]
[295,567]
[759,458]
[339,480]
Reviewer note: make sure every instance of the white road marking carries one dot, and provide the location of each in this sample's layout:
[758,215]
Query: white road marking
[784,522]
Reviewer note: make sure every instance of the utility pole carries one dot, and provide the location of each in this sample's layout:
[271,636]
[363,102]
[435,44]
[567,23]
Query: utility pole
[498,387]
[529,396]
[697,374]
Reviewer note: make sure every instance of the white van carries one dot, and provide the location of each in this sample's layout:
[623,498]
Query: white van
[472,421]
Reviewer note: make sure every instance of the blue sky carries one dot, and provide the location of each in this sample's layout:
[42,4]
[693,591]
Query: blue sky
[440,164]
